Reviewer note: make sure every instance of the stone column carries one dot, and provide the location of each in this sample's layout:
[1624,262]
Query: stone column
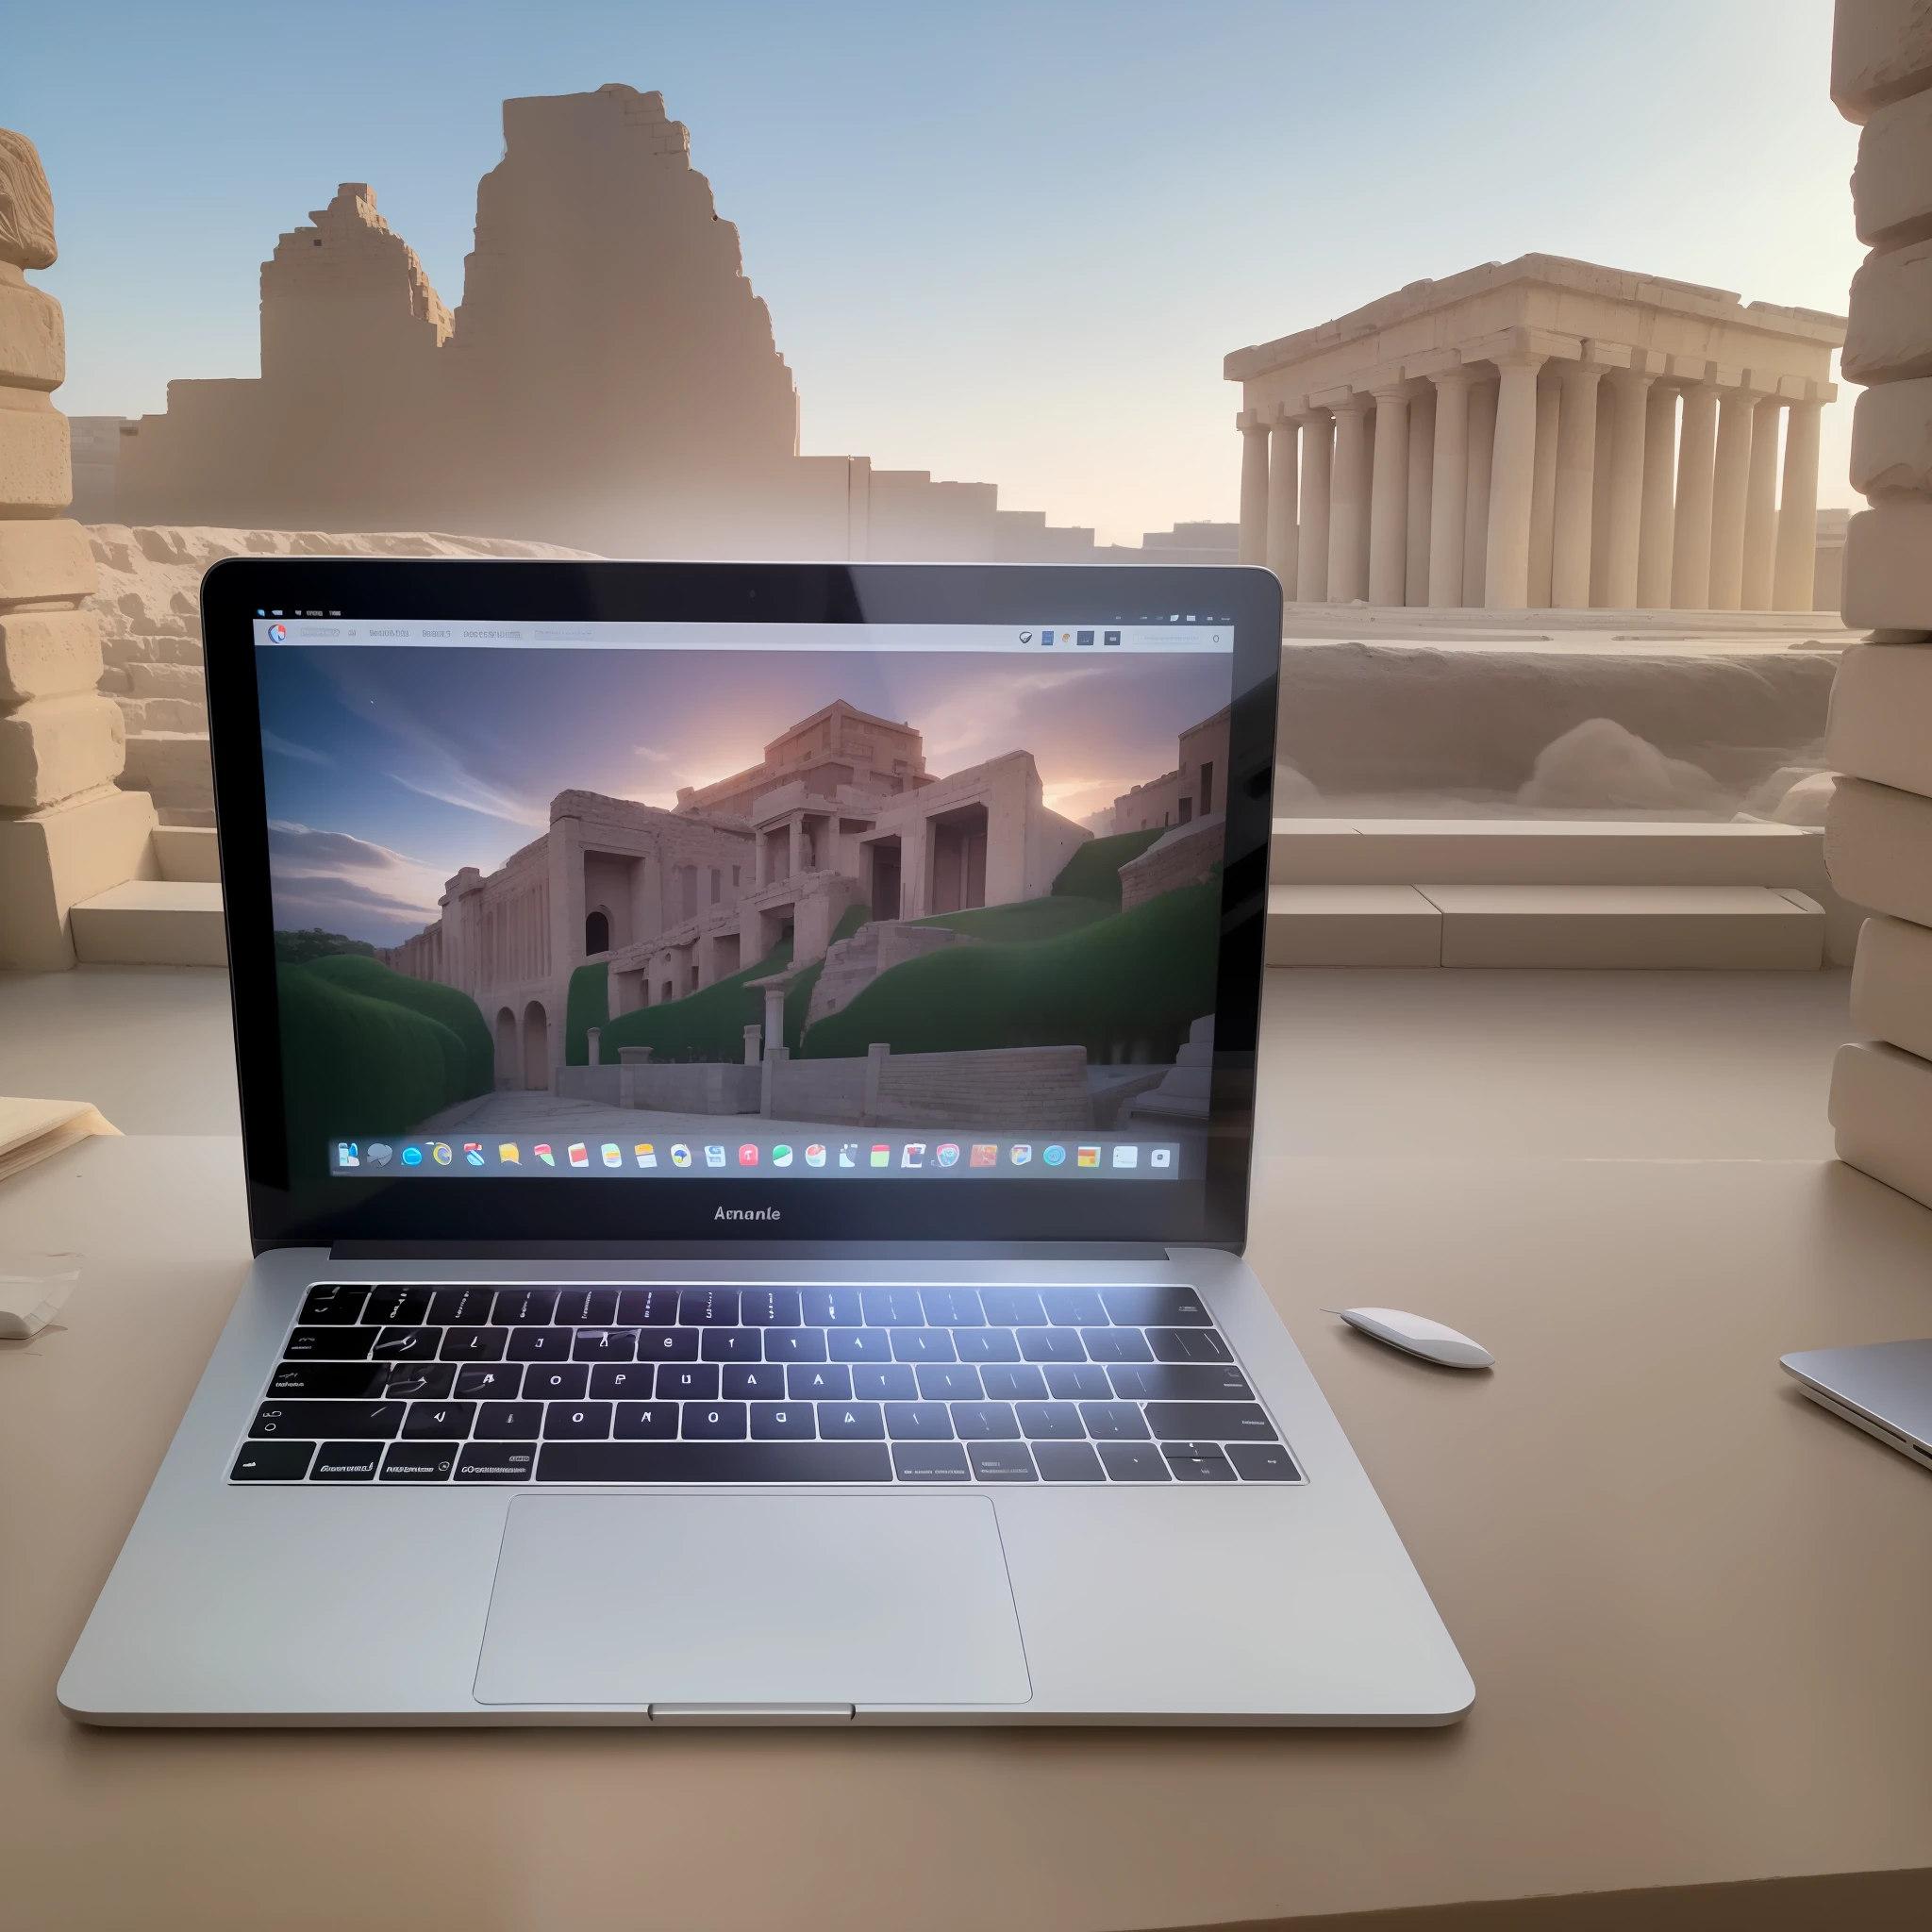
[1512,477]
[1542,504]
[1283,537]
[1629,440]
[1690,535]
[1660,499]
[1760,506]
[1575,477]
[1388,504]
[1449,489]
[1347,503]
[1422,458]
[66,833]
[1317,453]
[1253,536]
[1475,516]
[1730,484]
[1797,516]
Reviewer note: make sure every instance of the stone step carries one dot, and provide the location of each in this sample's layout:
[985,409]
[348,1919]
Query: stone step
[186,852]
[1711,928]
[152,922]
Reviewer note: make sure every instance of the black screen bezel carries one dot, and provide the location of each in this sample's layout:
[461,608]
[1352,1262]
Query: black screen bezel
[654,1212]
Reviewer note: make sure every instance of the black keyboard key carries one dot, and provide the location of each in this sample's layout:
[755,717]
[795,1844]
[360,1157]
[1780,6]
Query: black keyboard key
[986,1345]
[667,1344]
[538,1344]
[930,1462]
[1263,1462]
[495,1462]
[586,1307]
[819,1382]
[1012,1308]
[714,1462]
[985,1421]
[490,1381]
[687,1382]
[707,1308]
[714,1422]
[272,1463]
[769,1308]
[1077,1382]
[850,1422]
[794,1345]
[577,1421]
[922,1345]
[752,1382]
[474,1344]
[422,1381]
[891,1307]
[339,1381]
[1051,1344]
[1074,1307]
[637,1421]
[733,1346]
[783,1422]
[398,1307]
[621,1381]
[315,1420]
[345,1462]
[1198,1462]
[1180,1382]
[831,1308]
[1051,1421]
[1068,1462]
[1002,1463]
[420,1462]
[951,1308]
[858,1344]
[1135,1462]
[555,1381]
[918,1421]
[524,1308]
[406,1345]
[1188,1345]
[1116,1345]
[605,1345]
[885,1382]
[1218,1421]
[330,1344]
[1114,1422]
[464,1307]
[428,1421]
[504,1422]
[950,1382]
[1148,1307]
[647,1308]
[333,1307]
[1014,1382]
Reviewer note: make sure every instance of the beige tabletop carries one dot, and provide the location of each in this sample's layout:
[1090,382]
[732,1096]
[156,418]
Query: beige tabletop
[1696,1607]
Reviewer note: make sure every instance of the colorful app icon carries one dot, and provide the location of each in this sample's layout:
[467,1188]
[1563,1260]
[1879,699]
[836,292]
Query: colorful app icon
[440,1154]
[613,1154]
[781,1155]
[1127,1156]
[986,1154]
[1089,1157]
[1053,1156]
[882,1156]
[413,1156]
[848,1154]
[714,1155]
[508,1154]
[278,634]
[680,1154]
[1022,1153]
[472,1153]
[541,1150]
[579,1155]
[748,1154]
[815,1155]
[913,1155]
[647,1155]
[947,1154]
[380,1154]
[1160,1156]
[346,1154]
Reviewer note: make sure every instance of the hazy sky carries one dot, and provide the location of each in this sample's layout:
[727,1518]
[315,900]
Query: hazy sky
[390,770]
[1004,242]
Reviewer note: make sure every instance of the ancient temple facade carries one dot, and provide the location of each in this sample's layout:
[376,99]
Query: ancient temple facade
[1540,434]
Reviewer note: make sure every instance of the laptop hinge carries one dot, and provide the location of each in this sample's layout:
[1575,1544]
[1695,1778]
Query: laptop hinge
[750,1251]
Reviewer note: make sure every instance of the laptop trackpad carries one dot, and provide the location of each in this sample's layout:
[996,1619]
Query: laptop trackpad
[752,1600]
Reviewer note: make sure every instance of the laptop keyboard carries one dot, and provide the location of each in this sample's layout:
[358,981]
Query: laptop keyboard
[770,1385]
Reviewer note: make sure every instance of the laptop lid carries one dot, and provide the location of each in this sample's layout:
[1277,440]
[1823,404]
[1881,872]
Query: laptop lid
[670,903]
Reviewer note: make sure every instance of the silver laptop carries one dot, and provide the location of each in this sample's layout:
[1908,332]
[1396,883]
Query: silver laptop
[1884,1387]
[747,1079]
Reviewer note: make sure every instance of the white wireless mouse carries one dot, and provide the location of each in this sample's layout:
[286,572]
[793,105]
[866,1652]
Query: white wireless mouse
[1417,1335]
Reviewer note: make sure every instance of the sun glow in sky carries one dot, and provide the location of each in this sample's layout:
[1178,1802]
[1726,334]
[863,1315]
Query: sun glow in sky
[1006,244]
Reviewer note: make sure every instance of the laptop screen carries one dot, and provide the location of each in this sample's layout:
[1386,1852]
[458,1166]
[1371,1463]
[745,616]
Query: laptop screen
[685,903]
